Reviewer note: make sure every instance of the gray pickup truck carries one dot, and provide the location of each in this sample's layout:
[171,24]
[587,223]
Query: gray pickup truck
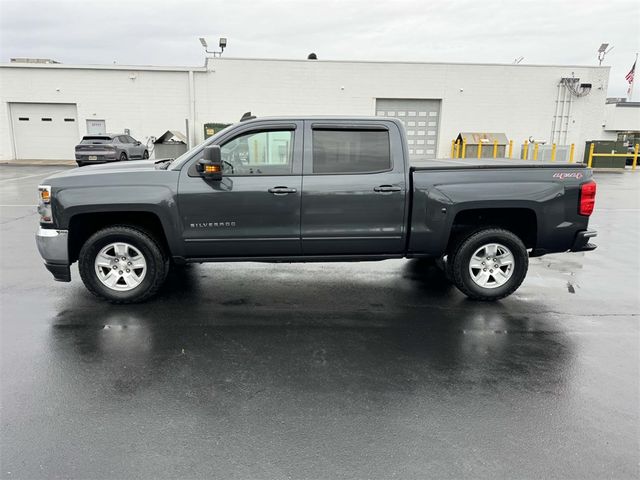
[312,189]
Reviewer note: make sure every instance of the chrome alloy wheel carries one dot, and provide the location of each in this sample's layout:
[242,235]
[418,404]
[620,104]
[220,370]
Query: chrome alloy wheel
[491,266]
[120,266]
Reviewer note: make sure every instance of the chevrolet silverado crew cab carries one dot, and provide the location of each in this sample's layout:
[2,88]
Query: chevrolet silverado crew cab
[313,189]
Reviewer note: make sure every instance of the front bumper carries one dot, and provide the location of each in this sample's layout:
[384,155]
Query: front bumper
[581,243]
[53,246]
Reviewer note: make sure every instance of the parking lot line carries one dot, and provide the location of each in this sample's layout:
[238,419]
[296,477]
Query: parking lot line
[30,176]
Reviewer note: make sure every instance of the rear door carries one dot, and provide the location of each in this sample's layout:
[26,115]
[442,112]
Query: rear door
[354,188]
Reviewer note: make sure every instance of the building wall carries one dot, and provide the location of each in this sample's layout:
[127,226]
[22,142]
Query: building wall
[519,100]
[150,104]
[622,117]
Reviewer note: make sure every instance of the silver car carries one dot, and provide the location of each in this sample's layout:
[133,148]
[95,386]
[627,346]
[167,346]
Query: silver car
[109,148]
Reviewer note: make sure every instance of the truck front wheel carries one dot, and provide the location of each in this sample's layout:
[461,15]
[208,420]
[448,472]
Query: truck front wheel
[489,264]
[122,264]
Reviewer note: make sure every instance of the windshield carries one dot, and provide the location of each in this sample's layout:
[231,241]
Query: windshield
[185,157]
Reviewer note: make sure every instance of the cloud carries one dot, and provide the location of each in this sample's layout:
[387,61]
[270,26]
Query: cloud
[166,33]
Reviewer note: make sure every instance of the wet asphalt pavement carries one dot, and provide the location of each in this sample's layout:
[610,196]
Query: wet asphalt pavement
[364,370]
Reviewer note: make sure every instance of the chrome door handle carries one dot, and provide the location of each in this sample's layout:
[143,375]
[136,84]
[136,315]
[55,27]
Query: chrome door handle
[386,188]
[282,190]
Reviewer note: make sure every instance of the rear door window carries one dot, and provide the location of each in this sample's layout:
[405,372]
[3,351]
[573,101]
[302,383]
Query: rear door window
[350,151]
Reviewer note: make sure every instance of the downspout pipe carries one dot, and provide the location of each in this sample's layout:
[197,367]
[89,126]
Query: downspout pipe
[192,110]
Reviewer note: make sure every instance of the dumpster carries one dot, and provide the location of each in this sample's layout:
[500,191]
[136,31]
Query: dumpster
[171,144]
[211,129]
[606,146]
[473,139]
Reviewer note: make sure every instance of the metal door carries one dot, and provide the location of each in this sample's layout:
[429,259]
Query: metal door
[421,119]
[44,131]
[96,127]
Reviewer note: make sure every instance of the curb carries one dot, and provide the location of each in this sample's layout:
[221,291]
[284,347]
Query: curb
[40,163]
[613,170]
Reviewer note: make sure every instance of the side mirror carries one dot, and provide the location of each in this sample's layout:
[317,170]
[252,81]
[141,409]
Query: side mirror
[138,143]
[210,166]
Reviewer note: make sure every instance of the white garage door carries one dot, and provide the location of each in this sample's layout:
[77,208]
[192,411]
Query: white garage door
[421,120]
[44,131]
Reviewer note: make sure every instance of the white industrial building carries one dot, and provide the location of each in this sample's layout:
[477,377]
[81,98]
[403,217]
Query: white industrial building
[46,108]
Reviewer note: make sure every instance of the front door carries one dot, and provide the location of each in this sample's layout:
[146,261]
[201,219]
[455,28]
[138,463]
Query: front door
[255,210]
[354,189]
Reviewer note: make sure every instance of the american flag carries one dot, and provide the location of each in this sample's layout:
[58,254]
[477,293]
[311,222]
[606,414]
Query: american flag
[629,77]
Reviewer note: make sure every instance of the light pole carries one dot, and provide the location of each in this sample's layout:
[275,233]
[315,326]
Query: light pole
[222,43]
[602,51]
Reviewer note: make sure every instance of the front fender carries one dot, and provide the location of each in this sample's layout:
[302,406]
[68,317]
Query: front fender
[159,200]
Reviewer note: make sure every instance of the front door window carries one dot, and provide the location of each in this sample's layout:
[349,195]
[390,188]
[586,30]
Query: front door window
[259,153]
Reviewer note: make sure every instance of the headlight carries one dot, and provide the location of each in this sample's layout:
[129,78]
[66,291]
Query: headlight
[44,204]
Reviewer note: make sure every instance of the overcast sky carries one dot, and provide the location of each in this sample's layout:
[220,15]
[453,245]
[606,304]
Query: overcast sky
[166,32]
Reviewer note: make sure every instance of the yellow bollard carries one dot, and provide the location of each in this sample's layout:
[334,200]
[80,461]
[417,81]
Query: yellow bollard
[553,152]
[525,150]
[535,151]
[635,156]
[453,146]
[457,149]
[510,148]
[464,148]
[572,151]
[495,149]
[480,149]
[593,145]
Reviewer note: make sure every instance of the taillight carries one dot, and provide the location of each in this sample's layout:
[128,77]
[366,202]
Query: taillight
[587,198]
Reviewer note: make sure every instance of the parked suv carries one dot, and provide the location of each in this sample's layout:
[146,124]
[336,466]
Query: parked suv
[109,148]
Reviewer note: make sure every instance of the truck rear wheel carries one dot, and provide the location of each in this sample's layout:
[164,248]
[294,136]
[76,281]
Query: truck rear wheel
[489,264]
[122,264]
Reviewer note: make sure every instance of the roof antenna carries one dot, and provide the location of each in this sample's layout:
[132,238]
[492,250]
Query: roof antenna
[247,116]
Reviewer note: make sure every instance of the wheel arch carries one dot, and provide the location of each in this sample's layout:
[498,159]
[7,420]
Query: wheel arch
[522,221]
[83,225]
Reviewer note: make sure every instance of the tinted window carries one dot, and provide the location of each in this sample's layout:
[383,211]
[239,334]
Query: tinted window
[124,139]
[259,153]
[95,140]
[350,151]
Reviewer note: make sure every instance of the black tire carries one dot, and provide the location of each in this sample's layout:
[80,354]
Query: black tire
[156,260]
[458,264]
[80,164]
[123,157]
[145,155]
